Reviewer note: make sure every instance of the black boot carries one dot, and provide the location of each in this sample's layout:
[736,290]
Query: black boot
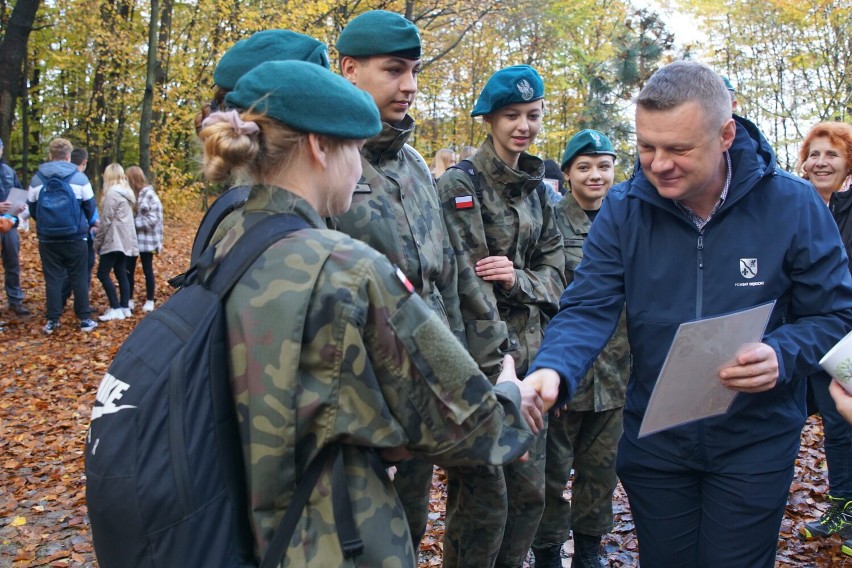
[548,556]
[586,551]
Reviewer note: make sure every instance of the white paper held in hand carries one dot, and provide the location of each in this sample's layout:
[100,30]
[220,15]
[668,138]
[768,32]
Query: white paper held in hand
[688,387]
[838,362]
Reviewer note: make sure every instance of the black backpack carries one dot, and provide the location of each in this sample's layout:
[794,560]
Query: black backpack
[58,210]
[165,481]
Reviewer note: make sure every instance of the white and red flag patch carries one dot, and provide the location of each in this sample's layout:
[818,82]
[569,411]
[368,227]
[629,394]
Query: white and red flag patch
[405,281]
[464,202]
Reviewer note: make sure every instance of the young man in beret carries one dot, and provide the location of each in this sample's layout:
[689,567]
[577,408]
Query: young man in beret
[584,436]
[511,264]
[395,207]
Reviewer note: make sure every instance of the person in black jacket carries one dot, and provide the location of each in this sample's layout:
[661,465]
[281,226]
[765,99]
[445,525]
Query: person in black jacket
[825,159]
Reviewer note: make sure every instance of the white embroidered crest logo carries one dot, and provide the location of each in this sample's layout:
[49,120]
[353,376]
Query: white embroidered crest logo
[525,89]
[748,267]
[596,137]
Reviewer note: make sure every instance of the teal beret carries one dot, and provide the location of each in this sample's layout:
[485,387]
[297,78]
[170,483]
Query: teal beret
[586,142]
[379,32]
[308,98]
[512,85]
[727,83]
[268,45]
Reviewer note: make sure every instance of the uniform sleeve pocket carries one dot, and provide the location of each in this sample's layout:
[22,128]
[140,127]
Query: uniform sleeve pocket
[452,387]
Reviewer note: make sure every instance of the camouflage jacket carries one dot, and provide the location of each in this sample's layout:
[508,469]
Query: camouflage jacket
[328,344]
[604,385]
[395,210]
[513,222]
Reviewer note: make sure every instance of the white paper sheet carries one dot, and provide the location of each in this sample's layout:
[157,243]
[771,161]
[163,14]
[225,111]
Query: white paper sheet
[688,387]
[17,197]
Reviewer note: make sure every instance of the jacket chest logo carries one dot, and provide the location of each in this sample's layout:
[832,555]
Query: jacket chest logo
[748,267]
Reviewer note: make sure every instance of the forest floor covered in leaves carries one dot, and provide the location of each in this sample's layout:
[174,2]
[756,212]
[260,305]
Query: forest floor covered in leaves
[48,386]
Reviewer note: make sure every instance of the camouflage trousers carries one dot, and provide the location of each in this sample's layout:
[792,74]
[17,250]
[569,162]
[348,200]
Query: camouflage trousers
[413,484]
[588,442]
[493,512]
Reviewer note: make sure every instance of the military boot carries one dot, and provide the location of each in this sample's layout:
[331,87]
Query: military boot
[586,551]
[837,518]
[549,556]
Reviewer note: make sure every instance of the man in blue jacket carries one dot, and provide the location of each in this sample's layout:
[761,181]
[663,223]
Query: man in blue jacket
[64,254]
[707,225]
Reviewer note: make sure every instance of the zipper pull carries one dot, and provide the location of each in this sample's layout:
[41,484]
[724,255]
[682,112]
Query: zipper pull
[700,248]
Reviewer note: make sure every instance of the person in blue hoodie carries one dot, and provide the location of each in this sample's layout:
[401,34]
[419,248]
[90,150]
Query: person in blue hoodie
[707,225]
[66,253]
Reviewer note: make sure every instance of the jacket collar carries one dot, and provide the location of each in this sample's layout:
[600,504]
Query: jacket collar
[503,179]
[273,199]
[388,143]
[575,215]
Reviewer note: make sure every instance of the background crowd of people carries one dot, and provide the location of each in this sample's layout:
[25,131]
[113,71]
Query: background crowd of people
[73,231]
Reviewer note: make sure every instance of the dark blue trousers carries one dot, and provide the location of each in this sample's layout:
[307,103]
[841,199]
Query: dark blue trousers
[60,261]
[691,518]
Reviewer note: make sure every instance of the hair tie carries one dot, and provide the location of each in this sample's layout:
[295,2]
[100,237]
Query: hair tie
[232,117]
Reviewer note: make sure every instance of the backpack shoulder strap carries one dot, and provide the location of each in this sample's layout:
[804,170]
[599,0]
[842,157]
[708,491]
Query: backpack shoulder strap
[284,532]
[232,199]
[220,276]
[467,167]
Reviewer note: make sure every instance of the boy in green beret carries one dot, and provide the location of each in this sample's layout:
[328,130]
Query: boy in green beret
[395,207]
[511,275]
[584,435]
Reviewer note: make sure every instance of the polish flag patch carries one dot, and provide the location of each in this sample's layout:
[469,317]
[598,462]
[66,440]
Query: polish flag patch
[464,202]
[405,281]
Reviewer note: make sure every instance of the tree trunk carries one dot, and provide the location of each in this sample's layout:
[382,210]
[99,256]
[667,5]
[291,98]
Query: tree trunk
[148,96]
[13,49]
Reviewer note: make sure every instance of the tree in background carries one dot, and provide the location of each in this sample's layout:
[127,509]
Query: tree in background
[791,62]
[13,50]
[126,78]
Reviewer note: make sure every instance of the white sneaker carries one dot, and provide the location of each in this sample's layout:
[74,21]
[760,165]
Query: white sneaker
[131,304]
[149,306]
[112,314]
[127,312]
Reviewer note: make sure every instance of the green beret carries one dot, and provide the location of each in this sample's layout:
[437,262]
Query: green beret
[308,98]
[512,85]
[379,32]
[727,83]
[268,45]
[586,142]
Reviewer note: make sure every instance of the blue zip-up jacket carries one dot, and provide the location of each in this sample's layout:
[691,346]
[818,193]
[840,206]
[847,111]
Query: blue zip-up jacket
[643,251]
[82,189]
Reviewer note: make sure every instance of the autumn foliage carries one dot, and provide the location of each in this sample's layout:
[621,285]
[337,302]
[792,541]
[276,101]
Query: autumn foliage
[48,386]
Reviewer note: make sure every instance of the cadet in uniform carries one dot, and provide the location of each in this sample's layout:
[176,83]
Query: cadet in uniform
[395,207]
[585,435]
[327,342]
[242,57]
[511,273]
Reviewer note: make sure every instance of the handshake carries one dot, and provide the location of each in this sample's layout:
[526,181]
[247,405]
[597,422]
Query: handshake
[539,391]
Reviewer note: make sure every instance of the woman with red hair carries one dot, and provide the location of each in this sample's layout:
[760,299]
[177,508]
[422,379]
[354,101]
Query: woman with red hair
[825,160]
